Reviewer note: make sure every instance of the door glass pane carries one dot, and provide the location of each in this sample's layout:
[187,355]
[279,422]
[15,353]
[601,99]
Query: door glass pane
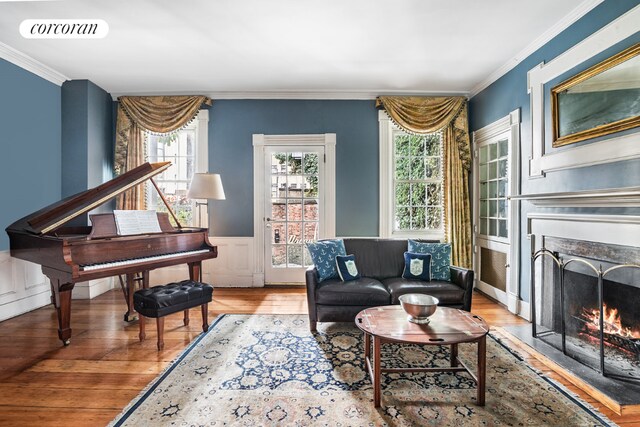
[294,256]
[278,256]
[502,228]
[502,168]
[279,209]
[503,149]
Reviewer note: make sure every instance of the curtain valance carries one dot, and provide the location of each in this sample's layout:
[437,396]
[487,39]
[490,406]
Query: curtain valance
[421,115]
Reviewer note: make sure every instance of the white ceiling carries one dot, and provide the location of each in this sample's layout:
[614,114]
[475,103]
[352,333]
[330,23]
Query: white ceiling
[292,46]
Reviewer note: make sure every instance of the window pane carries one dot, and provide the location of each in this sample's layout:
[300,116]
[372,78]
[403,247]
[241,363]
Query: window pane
[311,210]
[493,227]
[502,208]
[483,226]
[278,210]
[294,258]
[311,163]
[311,186]
[493,189]
[483,208]
[502,228]
[402,167]
[402,145]
[418,220]
[493,151]
[416,145]
[294,210]
[502,188]
[493,172]
[484,151]
[502,168]
[493,208]
[279,256]
[432,167]
[434,194]
[310,232]
[503,148]
[432,145]
[434,218]
[418,196]
[417,168]
[403,194]
[294,163]
[484,172]
[403,218]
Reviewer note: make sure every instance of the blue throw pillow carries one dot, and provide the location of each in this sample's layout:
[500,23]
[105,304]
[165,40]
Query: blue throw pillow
[323,254]
[417,266]
[440,257]
[347,269]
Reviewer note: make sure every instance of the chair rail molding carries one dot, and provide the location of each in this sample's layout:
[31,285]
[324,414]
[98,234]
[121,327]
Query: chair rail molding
[610,150]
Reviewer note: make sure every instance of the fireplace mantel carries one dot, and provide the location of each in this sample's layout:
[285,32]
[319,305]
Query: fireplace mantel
[611,197]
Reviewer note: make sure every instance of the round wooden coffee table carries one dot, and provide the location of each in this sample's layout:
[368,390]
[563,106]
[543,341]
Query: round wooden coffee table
[448,326]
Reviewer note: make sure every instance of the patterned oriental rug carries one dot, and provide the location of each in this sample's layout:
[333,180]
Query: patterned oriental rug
[252,370]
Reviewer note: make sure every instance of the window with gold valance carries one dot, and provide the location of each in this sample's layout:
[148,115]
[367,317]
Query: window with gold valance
[138,115]
[448,115]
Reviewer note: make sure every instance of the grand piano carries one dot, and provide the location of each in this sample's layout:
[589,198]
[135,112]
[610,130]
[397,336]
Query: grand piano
[72,254]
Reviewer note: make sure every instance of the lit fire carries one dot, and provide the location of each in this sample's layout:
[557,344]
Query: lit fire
[612,323]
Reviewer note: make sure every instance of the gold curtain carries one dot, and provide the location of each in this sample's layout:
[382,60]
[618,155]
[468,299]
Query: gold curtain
[137,114]
[422,115]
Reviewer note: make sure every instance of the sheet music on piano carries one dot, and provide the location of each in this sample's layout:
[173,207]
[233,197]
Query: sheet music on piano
[130,222]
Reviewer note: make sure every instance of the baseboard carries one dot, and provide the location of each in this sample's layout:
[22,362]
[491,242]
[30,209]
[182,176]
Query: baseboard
[93,288]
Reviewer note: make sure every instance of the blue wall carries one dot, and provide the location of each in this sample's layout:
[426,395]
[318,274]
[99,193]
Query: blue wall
[510,93]
[355,123]
[87,137]
[30,165]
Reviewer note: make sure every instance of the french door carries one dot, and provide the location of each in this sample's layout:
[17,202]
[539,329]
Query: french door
[294,177]
[496,231]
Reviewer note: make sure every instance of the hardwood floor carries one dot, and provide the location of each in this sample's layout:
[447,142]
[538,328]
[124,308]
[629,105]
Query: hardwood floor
[88,383]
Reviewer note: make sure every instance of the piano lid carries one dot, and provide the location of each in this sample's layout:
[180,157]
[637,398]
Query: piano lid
[59,213]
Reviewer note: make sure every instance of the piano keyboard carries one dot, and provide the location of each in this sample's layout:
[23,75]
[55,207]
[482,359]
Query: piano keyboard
[119,263]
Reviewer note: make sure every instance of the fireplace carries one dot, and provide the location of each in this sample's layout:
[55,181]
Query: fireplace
[580,280]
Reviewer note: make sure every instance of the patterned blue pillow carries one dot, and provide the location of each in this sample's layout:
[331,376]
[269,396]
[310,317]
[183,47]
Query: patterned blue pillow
[417,266]
[347,269]
[440,257]
[323,254]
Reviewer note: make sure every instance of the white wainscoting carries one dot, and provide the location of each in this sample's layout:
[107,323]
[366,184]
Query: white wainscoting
[235,265]
[22,287]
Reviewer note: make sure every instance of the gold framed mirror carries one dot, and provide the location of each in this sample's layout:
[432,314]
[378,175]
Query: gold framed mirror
[598,101]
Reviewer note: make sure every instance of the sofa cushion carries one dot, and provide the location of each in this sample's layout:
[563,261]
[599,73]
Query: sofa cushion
[347,269]
[417,266]
[440,257]
[446,292]
[323,254]
[364,291]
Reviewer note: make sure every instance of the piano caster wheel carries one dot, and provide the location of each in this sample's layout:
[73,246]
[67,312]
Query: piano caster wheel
[66,342]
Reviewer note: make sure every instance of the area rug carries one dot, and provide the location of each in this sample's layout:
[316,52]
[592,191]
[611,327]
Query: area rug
[252,370]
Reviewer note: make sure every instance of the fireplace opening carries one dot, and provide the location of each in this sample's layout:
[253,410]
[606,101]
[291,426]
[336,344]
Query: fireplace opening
[568,307]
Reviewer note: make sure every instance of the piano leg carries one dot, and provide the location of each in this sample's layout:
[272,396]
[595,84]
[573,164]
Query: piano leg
[62,296]
[131,280]
[195,271]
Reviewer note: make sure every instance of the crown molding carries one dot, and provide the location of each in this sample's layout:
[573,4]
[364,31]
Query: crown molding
[28,63]
[536,44]
[297,94]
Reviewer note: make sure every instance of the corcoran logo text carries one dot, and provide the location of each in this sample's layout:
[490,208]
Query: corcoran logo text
[64,28]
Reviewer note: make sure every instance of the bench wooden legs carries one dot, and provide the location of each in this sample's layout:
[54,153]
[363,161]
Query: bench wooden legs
[160,325]
[205,317]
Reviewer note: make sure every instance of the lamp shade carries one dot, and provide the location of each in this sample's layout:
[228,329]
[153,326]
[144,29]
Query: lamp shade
[206,186]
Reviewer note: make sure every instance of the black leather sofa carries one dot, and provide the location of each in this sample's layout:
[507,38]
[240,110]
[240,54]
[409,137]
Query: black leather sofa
[380,263]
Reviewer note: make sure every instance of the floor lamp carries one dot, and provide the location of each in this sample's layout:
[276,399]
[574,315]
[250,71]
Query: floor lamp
[206,186]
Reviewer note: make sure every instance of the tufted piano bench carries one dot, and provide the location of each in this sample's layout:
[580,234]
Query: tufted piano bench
[158,301]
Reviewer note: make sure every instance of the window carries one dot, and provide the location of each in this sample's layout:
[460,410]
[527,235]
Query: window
[186,150]
[411,187]
[493,180]
[417,182]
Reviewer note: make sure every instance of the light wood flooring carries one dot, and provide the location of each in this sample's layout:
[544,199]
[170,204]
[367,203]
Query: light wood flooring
[88,383]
